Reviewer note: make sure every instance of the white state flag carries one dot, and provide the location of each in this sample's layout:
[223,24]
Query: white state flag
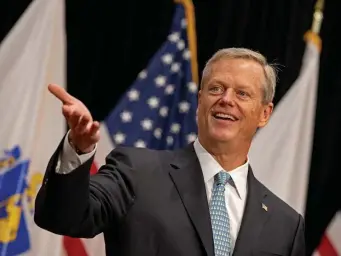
[280,154]
[31,56]
[281,151]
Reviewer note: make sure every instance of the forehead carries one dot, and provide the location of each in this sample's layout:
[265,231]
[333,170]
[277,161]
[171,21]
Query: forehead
[237,71]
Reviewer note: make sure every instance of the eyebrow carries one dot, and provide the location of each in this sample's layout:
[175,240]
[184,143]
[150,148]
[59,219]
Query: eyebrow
[245,87]
[214,80]
[239,86]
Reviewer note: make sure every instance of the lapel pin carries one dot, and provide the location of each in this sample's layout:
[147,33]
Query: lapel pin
[265,207]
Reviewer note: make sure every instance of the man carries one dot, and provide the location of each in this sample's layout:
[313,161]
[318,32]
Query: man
[200,200]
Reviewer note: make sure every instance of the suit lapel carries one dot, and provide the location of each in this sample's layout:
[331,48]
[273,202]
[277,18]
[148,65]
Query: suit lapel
[187,176]
[256,214]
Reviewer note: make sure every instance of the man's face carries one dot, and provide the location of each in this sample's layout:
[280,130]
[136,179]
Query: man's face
[230,104]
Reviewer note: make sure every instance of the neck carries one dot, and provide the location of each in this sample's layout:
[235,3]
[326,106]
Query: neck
[228,154]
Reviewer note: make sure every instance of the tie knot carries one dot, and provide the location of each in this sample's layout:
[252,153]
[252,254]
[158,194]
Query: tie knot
[222,178]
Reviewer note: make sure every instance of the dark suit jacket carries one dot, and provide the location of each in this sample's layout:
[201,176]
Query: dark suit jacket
[153,203]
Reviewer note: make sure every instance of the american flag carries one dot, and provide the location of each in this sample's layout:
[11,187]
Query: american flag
[159,109]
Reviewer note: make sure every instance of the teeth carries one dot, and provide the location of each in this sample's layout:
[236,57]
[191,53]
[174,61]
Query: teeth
[222,115]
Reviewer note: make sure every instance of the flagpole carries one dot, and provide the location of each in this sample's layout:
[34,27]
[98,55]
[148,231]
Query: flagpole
[313,35]
[318,17]
[192,37]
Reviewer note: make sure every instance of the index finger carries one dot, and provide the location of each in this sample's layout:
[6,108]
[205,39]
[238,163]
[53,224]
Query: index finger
[60,93]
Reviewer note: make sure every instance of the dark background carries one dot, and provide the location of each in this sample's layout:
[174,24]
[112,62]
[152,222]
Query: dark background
[109,42]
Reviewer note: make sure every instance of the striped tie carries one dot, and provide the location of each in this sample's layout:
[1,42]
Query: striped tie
[219,216]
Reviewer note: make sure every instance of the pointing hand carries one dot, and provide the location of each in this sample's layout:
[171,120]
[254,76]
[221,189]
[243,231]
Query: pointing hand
[84,132]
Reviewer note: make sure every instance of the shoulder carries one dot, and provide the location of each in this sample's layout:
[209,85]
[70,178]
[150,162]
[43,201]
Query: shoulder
[281,210]
[138,156]
[284,218]
[139,152]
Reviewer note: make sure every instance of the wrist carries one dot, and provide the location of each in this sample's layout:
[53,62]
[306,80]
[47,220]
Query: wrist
[78,150]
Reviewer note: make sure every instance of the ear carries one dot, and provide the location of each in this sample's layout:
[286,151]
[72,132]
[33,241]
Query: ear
[199,96]
[265,114]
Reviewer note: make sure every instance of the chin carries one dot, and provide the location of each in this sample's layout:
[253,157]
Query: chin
[222,136]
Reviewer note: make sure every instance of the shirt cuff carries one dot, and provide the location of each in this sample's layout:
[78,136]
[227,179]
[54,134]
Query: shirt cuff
[69,160]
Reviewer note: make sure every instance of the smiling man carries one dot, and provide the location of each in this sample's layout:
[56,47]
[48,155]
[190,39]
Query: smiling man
[200,200]
[235,99]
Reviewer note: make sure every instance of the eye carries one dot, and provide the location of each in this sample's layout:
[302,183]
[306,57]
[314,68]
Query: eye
[216,89]
[242,93]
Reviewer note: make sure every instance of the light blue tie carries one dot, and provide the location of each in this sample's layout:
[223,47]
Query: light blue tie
[219,216]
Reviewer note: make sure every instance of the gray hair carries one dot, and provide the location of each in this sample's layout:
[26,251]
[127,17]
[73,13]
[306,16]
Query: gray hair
[270,71]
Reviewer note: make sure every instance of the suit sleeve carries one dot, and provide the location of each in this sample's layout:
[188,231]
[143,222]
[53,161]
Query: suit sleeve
[78,205]
[298,248]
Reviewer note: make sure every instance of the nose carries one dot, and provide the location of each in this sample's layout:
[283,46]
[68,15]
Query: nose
[228,97]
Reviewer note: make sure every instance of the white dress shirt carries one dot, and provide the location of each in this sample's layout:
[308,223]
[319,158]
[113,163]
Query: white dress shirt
[235,194]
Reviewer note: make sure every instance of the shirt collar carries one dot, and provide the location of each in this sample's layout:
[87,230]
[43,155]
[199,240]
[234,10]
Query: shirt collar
[210,167]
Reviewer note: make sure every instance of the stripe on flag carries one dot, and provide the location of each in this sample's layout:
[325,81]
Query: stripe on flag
[326,248]
[330,244]
[74,246]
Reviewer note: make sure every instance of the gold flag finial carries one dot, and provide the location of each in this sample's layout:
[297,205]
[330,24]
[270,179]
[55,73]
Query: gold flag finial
[318,17]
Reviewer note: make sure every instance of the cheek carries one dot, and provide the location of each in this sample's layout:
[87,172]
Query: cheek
[203,112]
[203,106]
[200,113]
[250,112]
[254,114]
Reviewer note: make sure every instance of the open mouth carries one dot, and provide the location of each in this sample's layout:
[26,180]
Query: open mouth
[224,116]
